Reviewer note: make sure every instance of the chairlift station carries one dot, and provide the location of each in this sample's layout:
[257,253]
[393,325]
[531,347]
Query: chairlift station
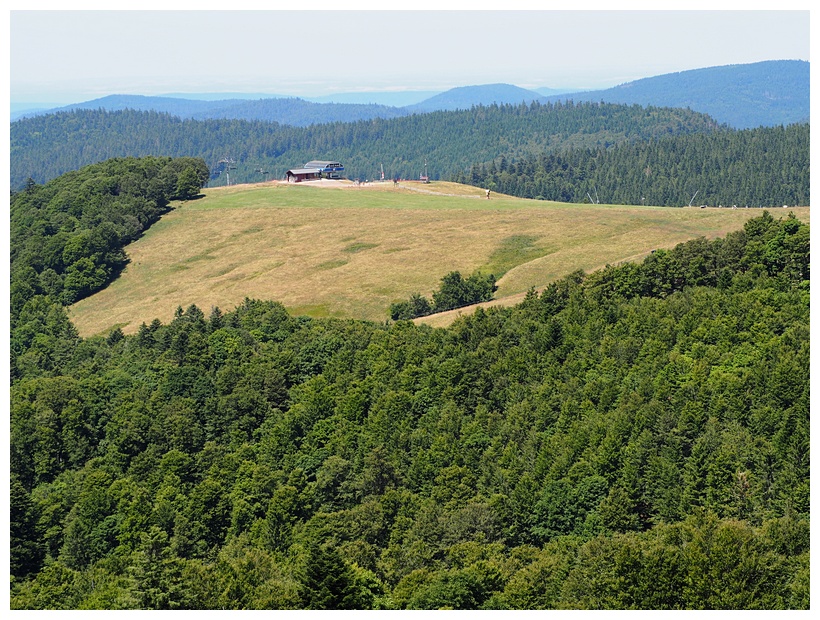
[316,169]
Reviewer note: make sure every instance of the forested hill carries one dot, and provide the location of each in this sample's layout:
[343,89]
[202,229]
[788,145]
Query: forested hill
[44,147]
[769,93]
[766,166]
[633,438]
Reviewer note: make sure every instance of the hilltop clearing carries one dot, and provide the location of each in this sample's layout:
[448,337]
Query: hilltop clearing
[352,252]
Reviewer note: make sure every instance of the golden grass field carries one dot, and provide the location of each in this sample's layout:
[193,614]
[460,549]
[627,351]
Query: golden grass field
[330,249]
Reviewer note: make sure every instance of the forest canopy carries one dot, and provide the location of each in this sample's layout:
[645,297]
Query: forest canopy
[448,141]
[767,167]
[637,437]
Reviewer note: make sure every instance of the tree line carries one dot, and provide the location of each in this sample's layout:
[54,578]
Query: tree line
[43,147]
[637,437]
[754,167]
[67,237]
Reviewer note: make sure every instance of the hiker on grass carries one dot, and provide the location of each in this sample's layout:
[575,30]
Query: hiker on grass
[488,194]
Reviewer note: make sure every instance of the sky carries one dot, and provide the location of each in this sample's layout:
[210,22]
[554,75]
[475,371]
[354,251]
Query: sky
[68,56]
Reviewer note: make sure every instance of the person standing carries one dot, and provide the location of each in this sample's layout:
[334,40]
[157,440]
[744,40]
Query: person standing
[488,193]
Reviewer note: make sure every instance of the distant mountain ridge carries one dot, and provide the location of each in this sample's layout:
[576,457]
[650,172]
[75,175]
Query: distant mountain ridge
[392,98]
[285,111]
[767,93]
[464,97]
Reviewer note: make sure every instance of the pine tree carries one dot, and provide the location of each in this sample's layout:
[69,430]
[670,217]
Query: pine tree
[328,582]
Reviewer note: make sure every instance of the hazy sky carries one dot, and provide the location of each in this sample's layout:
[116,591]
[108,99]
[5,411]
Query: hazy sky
[69,56]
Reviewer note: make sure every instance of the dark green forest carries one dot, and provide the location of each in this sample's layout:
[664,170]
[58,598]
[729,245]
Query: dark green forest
[68,236]
[754,167]
[637,437]
[44,147]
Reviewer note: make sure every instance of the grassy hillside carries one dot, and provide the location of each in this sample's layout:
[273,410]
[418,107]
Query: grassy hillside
[345,251]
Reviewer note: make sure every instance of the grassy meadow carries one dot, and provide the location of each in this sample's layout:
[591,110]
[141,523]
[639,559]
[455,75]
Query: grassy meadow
[330,249]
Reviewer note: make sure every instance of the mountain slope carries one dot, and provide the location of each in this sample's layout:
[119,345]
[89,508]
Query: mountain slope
[767,93]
